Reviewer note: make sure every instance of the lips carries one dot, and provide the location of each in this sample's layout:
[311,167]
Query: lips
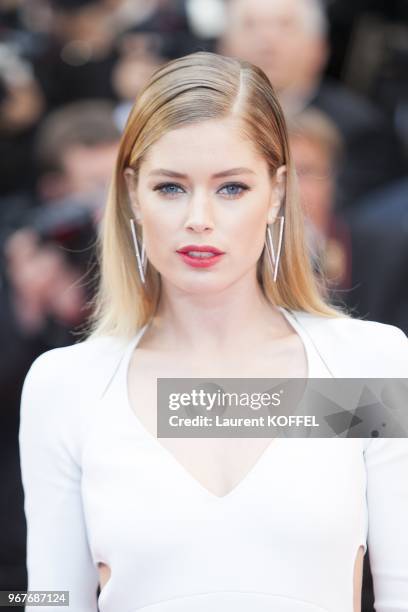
[200,256]
[203,248]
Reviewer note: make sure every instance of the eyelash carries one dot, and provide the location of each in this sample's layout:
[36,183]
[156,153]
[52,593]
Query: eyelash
[162,186]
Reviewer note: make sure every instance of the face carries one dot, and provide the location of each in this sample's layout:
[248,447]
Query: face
[91,23]
[89,168]
[205,184]
[85,173]
[273,35]
[316,183]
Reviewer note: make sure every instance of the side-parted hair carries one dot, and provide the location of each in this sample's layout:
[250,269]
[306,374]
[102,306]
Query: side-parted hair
[194,88]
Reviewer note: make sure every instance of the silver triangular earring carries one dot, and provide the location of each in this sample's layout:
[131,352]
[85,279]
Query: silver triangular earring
[274,258]
[140,257]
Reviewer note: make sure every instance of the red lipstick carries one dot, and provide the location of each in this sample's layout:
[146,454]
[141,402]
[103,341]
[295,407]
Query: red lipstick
[191,255]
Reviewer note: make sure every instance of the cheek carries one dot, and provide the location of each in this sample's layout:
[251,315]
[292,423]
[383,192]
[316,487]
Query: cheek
[248,233]
[160,232]
[240,228]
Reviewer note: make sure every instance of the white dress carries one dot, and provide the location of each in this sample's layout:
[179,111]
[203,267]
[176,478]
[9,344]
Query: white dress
[100,487]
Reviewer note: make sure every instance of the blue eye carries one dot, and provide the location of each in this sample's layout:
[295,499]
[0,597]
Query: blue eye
[169,189]
[231,190]
[234,189]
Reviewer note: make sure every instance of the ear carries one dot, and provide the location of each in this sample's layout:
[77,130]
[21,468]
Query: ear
[130,179]
[278,194]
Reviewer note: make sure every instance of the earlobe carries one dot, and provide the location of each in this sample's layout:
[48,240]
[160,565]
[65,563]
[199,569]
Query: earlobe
[281,182]
[278,194]
[273,212]
[129,176]
[281,173]
[130,179]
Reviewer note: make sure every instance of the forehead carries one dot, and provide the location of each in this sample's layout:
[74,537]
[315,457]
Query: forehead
[206,145]
[240,10]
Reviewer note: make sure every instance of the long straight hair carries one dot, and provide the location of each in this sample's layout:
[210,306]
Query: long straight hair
[194,88]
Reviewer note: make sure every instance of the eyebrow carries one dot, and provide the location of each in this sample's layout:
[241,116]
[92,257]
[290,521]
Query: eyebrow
[230,172]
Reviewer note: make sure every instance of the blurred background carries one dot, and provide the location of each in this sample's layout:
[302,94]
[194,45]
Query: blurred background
[69,73]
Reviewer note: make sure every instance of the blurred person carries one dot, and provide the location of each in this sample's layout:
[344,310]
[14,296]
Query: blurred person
[128,13]
[167,24]
[22,102]
[78,53]
[73,156]
[149,35]
[21,106]
[198,278]
[379,232]
[151,15]
[47,256]
[75,151]
[83,21]
[140,54]
[289,40]
[317,149]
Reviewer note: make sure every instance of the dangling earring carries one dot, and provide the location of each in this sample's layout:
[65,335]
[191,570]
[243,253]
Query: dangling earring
[141,257]
[274,258]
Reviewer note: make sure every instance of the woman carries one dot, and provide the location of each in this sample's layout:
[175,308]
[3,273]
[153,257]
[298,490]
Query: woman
[207,283]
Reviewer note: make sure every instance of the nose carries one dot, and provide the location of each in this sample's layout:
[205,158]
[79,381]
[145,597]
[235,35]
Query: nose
[199,215]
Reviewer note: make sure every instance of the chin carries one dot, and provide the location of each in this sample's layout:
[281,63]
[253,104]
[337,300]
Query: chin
[204,284]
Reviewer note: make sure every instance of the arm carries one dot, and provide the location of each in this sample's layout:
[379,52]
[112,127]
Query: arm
[58,554]
[387,498]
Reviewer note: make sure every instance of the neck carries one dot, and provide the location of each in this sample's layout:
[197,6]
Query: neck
[233,319]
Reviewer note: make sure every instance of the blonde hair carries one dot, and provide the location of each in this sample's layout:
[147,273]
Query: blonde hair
[198,87]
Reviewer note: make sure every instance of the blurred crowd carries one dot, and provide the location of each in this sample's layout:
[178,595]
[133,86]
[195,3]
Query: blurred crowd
[70,71]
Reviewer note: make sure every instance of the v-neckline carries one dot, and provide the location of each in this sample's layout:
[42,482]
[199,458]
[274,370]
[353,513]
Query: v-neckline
[179,466]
